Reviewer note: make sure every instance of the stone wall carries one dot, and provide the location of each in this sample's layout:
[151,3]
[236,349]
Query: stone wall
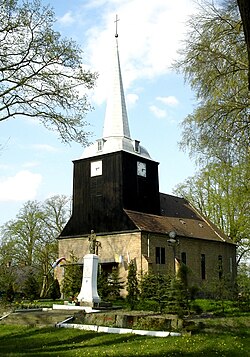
[118,249]
[121,248]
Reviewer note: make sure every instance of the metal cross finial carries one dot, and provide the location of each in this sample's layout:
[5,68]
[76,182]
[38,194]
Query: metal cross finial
[116,21]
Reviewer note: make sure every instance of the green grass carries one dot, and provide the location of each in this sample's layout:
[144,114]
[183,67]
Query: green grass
[226,307]
[221,337]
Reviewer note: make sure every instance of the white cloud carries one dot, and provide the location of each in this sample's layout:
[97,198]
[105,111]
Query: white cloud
[159,113]
[67,19]
[4,166]
[171,100]
[148,39]
[44,147]
[30,164]
[132,98]
[21,187]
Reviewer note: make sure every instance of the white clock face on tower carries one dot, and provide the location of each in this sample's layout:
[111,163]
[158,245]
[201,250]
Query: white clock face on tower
[141,169]
[96,168]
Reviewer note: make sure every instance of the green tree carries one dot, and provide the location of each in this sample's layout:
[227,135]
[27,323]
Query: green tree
[30,239]
[72,279]
[8,274]
[103,286]
[31,286]
[56,211]
[244,7]
[155,287]
[42,74]
[109,284]
[178,293]
[243,282]
[214,62]
[10,294]
[24,233]
[221,192]
[115,284]
[54,291]
[132,285]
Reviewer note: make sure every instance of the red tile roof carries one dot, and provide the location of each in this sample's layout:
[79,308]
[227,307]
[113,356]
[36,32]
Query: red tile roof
[178,215]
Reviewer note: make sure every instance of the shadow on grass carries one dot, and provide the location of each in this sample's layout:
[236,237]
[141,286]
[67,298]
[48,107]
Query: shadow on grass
[51,341]
[16,341]
[225,326]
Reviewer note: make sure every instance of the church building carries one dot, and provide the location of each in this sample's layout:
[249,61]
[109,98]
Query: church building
[116,195]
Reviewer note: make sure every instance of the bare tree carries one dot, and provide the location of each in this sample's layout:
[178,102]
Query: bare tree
[41,74]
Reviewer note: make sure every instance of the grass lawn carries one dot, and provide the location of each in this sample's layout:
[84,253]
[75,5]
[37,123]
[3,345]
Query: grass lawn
[222,337]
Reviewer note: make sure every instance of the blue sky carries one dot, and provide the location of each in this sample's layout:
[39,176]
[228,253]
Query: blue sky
[35,165]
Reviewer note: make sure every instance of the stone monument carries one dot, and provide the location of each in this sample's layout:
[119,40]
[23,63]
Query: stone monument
[88,294]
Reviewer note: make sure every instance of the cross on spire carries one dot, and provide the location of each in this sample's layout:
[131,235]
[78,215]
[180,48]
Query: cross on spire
[116,21]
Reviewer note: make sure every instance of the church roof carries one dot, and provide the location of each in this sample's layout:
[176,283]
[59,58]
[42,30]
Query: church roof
[180,216]
[116,133]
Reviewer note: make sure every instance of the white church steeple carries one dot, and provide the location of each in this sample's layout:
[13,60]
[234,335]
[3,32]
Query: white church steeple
[116,133]
[116,119]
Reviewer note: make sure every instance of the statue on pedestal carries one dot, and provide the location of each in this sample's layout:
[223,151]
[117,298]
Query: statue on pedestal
[94,244]
[88,293]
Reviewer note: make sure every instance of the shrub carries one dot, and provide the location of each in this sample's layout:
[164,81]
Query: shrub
[132,286]
[55,292]
[72,278]
[31,286]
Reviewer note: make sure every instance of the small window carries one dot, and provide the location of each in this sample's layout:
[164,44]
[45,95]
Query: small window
[220,268]
[184,257]
[231,265]
[99,145]
[160,255]
[137,146]
[203,266]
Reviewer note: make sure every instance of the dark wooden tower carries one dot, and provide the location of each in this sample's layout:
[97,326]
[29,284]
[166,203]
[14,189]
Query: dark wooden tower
[105,185]
[115,173]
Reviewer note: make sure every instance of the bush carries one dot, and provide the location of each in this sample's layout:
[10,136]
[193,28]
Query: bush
[31,286]
[9,294]
[109,285]
[55,292]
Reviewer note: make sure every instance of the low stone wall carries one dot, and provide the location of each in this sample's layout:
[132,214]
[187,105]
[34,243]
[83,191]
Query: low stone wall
[129,320]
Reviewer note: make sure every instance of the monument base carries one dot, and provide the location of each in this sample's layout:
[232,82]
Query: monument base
[88,294]
[98,305]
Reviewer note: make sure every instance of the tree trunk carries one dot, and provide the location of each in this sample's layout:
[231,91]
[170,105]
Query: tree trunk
[244,6]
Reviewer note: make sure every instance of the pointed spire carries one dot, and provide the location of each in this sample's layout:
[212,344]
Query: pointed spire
[116,133]
[116,119]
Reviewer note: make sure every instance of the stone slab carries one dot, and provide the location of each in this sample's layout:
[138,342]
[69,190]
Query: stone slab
[87,309]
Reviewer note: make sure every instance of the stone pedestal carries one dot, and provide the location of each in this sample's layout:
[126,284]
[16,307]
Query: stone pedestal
[88,293]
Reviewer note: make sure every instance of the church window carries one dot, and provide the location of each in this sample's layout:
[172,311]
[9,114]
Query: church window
[203,266]
[184,257]
[96,186]
[99,145]
[220,269]
[160,255]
